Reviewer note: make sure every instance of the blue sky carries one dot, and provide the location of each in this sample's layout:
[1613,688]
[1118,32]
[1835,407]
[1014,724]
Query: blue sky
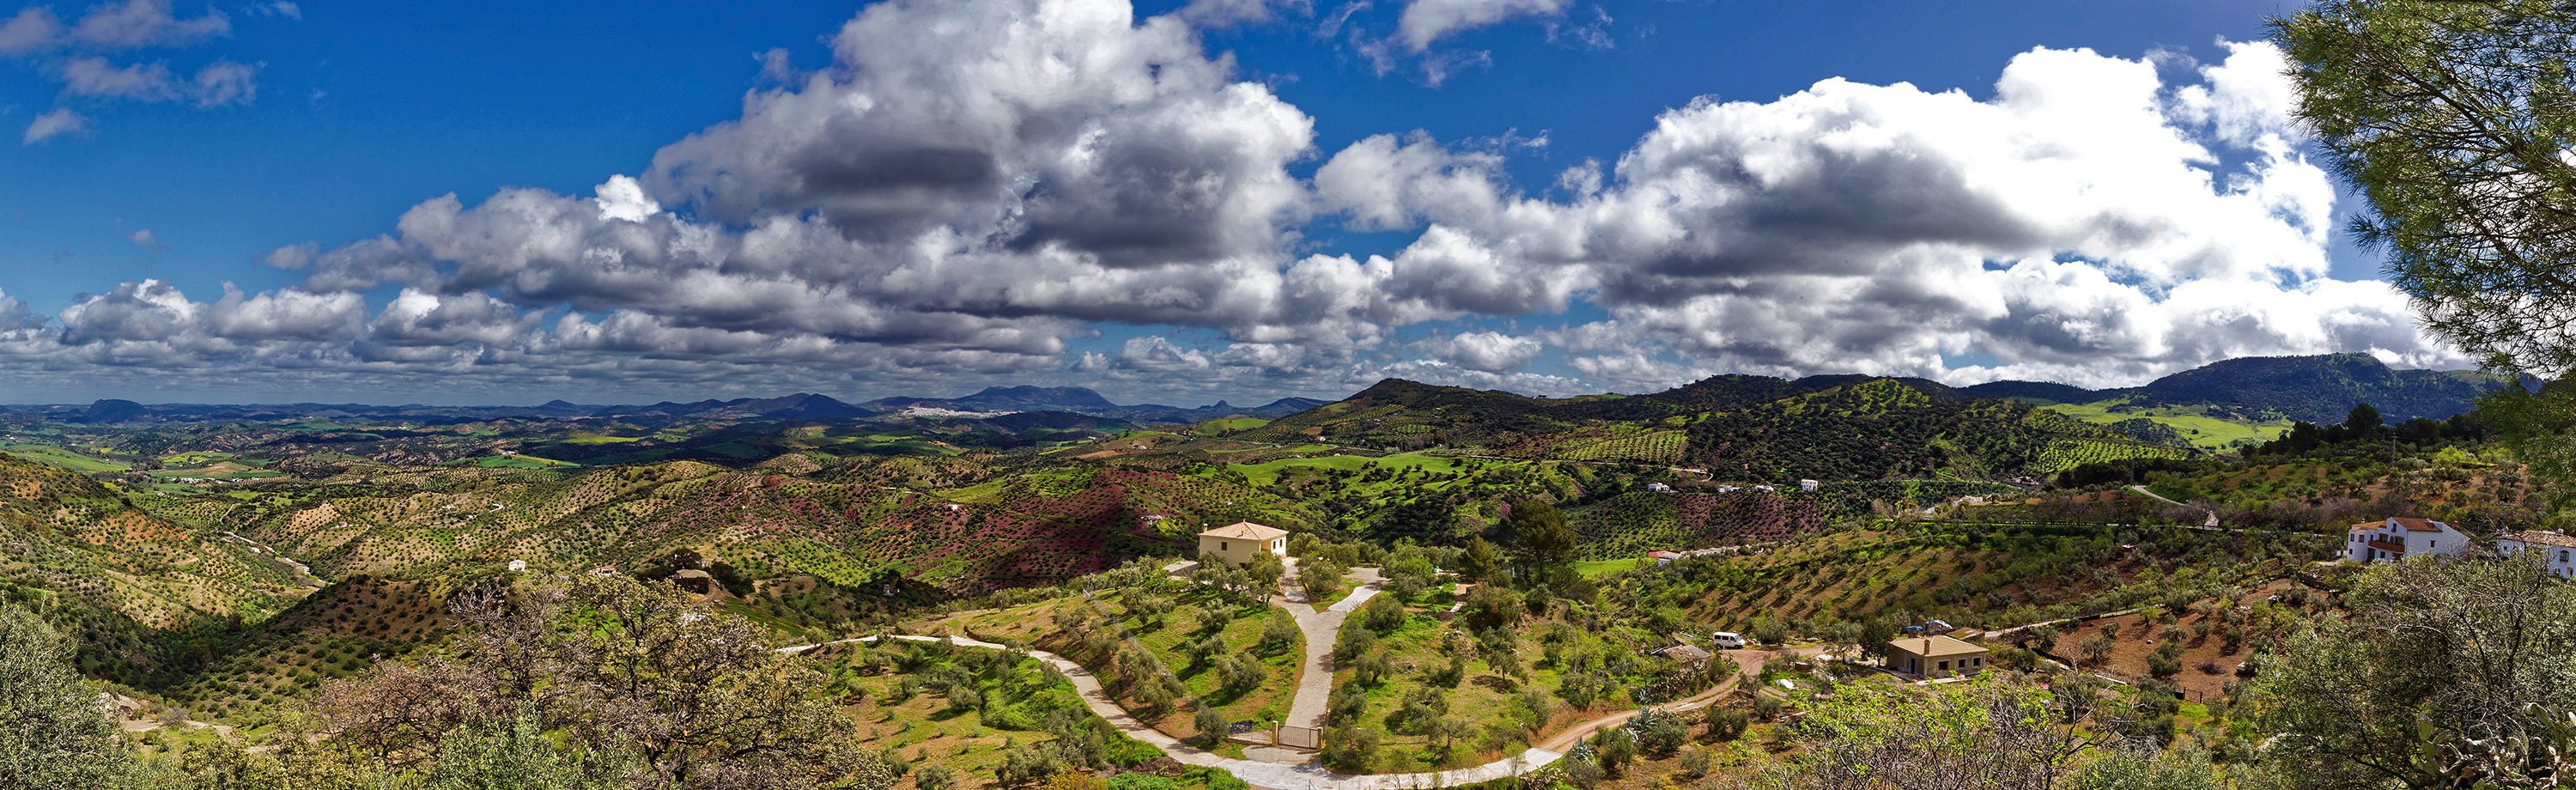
[235,131]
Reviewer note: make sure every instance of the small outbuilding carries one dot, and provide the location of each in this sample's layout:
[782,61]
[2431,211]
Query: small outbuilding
[1935,656]
[1685,655]
[1237,542]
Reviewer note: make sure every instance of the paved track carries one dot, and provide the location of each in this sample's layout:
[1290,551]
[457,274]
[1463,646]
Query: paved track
[1269,776]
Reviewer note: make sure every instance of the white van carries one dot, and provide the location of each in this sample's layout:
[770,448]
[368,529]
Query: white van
[1728,640]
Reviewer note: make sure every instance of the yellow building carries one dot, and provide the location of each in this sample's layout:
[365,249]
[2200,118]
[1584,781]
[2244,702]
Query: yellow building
[1935,656]
[1238,541]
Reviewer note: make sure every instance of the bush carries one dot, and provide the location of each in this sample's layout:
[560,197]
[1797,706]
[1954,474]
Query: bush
[1277,633]
[1382,614]
[1725,724]
[1134,781]
[2163,666]
[1695,763]
[1663,735]
[1216,779]
[1490,607]
[1582,773]
[1350,748]
[1614,749]
[1371,668]
[1769,631]
[1354,642]
[1212,724]
[934,777]
[1346,704]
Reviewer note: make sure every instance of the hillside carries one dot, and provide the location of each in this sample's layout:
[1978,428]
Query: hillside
[1880,429]
[854,526]
[66,532]
[2320,389]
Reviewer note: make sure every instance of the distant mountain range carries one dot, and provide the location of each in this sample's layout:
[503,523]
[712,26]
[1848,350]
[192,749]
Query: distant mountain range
[800,407]
[1081,400]
[2318,389]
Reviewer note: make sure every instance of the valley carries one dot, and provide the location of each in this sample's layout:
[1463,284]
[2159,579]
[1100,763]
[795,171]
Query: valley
[1475,585]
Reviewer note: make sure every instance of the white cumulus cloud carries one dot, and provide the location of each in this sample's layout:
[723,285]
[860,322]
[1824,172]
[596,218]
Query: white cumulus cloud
[972,188]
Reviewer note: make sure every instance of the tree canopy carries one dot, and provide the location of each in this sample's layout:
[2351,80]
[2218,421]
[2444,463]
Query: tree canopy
[2456,120]
[2452,673]
[56,737]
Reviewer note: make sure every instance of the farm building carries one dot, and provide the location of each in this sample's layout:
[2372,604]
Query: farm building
[1935,656]
[2398,538]
[1238,541]
[2557,550]
[1685,655]
[1663,557]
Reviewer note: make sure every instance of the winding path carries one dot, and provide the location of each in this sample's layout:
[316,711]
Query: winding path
[1747,661]
[1269,776]
[2212,523]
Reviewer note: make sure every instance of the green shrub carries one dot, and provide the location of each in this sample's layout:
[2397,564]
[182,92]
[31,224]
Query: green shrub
[1141,782]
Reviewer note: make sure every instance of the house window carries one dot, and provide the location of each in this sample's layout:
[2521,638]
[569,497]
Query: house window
[1945,666]
[2562,555]
[1220,545]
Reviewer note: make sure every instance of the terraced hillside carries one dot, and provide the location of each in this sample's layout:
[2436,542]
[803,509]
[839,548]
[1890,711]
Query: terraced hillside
[849,526]
[1883,429]
[68,533]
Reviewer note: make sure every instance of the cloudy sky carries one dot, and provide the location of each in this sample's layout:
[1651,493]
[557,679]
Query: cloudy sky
[1172,202]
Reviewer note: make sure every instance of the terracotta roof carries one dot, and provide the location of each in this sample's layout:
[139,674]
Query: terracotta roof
[2411,525]
[2392,547]
[2541,538]
[1245,530]
[1934,646]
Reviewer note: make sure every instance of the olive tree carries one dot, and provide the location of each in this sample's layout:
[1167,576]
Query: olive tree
[57,736]
[1873,737]
[630,679]
[2460,668]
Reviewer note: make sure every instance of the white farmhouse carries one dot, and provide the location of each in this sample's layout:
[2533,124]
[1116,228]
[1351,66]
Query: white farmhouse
[2557,550]
[2399,538]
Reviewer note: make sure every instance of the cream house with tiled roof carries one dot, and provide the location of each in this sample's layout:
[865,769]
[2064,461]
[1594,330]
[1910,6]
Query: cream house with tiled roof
[2557,550]
[1237,542]
[2399,538]
[1934,656]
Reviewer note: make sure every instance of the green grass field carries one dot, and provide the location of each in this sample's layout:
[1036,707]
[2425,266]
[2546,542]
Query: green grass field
[55,456]
[593,438]
[1231,426]
[1599,568]
[2203,431]
[1268,472]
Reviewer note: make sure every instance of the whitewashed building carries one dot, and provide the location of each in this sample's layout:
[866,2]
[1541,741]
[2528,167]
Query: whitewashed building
[2399,538]
[2558,551]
